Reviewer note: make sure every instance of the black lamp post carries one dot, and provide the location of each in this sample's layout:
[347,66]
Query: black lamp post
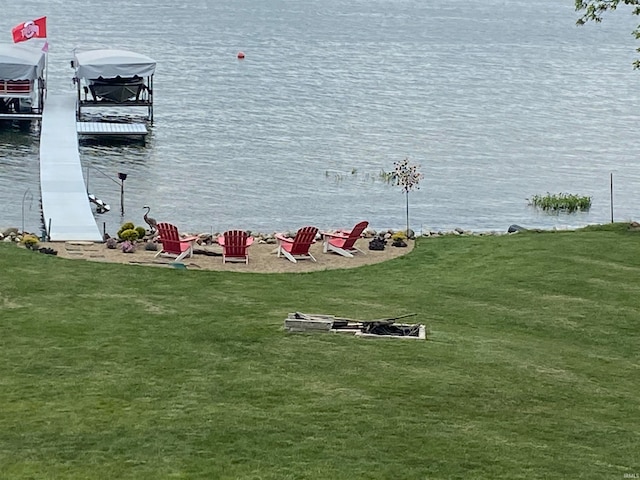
[122,177]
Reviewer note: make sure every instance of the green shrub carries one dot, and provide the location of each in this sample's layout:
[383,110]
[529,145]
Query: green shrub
[130,235]
[398,239]
[124,227]
[29,241]
[141,231]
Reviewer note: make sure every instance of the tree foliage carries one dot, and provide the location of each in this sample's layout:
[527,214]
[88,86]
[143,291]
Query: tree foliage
[593,10]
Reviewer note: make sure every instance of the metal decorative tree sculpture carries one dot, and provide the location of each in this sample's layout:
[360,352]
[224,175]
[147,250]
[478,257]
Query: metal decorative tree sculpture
[408,178]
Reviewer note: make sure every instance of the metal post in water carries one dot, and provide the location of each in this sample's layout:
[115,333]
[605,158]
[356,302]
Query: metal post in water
[611,182]
[122,177]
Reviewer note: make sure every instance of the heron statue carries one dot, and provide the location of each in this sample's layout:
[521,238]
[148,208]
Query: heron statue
[153,224]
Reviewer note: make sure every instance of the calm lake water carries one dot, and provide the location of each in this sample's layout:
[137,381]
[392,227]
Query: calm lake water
[497,101]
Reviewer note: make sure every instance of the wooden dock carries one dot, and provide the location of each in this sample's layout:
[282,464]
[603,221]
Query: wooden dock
[65,205]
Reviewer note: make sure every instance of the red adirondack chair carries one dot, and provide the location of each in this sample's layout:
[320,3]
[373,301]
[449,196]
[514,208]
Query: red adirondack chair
[172,243]
[343,242]
[297,248]
[235,246]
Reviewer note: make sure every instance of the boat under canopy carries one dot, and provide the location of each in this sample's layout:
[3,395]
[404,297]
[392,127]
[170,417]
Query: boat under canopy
[22,82]
[118,90]
[114,78]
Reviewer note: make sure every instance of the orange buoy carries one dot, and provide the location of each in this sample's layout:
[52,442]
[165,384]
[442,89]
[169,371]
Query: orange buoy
[240,55]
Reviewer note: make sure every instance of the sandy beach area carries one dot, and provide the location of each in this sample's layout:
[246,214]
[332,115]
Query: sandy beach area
[262,257]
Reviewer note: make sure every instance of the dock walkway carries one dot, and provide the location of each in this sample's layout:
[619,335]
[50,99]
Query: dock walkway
[65,205]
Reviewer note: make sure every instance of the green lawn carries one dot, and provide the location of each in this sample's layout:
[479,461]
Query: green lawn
[532,369]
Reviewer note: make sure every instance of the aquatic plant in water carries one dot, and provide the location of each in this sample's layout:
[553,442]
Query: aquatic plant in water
[561,202]
[355,174]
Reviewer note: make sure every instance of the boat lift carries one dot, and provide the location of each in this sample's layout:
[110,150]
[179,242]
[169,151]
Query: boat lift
[113,78]
[22,82]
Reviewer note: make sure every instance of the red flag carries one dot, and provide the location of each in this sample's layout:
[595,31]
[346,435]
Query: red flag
[33,29]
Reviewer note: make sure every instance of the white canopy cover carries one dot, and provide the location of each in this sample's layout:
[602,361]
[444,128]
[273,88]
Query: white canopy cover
[111,63]
[19,62]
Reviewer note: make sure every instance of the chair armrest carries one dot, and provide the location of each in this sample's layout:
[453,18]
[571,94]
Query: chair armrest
[281,238]
[335,234]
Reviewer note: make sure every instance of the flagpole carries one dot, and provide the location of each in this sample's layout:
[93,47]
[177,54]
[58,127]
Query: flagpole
[46,68]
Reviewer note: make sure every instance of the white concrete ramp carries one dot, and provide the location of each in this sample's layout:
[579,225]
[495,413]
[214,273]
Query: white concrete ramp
[65,204]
